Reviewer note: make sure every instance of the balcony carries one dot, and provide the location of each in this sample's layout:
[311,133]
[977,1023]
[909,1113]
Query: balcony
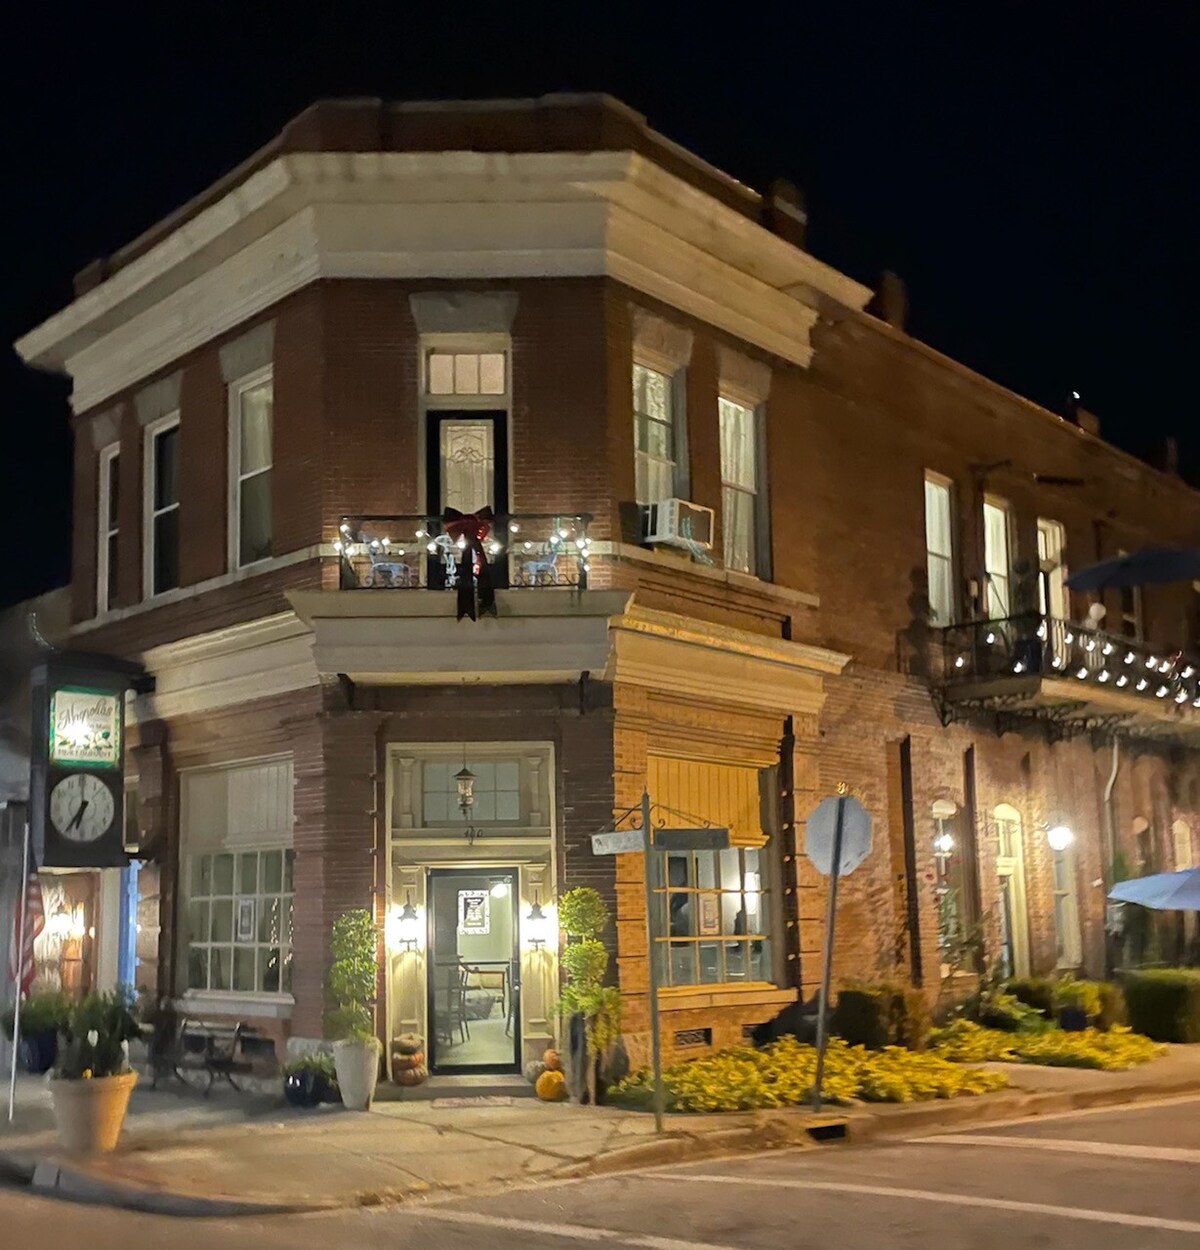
[1072,678]
[524,551]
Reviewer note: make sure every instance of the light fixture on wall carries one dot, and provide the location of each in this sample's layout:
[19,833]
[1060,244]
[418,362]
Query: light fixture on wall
[536,924]
[403,929]
[464,780]
[1059,837]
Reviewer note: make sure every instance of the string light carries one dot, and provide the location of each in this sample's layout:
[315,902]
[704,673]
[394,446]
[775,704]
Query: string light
[1142,683]
[1108,648]
[1161,692]
[1181,697]
[1104,675]
[1081,674]
[1129,657]
[1152,661]
[1122,680]
[1019,667]
[1068,637]
[959,661]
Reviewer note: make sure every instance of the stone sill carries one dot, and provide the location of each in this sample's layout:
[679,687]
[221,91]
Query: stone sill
[235,1003]
[698,997]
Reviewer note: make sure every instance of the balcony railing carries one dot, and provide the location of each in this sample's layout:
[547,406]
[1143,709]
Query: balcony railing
[1090,659]
[523,551]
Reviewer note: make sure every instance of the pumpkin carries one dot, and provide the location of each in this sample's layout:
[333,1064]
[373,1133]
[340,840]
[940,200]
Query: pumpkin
[551,1086]
[411,1076]
[406,1044]
[533,1069]
[402,1062]
[552,1061]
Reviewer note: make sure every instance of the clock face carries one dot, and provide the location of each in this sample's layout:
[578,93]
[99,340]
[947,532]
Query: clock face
[81,807]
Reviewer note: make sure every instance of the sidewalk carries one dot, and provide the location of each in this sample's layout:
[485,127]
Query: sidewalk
[228,1155]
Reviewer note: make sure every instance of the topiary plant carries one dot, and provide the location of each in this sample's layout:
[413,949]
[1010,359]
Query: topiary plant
[582,913]
[352,976]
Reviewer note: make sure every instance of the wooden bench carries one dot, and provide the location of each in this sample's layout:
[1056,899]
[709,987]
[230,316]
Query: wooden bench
[220,1049]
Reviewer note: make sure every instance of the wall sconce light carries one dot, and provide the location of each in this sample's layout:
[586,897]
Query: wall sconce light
[1059,837]
[536,924]
[943,844]
[403,926]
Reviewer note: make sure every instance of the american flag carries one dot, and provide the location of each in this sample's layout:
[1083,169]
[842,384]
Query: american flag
[20,953]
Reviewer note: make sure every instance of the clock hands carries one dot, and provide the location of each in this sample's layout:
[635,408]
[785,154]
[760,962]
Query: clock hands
[78,816]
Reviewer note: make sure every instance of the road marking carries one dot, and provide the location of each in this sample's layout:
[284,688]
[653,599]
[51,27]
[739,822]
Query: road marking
[1113,1108]
[572,1232]
[1065,1145]
[946,1199]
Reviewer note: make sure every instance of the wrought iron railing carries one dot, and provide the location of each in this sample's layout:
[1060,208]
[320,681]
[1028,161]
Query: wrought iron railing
[1045,646]
[412,552]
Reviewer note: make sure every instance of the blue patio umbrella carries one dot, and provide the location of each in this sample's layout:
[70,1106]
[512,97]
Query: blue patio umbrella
[1164,891]
[1150,566]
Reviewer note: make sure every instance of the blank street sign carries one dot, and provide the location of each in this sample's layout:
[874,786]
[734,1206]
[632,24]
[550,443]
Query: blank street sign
[691,839]
[617,843]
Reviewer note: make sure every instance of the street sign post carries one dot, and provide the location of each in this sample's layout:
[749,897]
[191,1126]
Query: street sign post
[837,838]
[648,840]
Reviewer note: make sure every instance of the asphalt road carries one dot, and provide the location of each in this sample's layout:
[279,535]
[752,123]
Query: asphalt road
[1118,1180]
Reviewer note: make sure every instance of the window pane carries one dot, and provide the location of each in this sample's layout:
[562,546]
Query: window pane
[735,961]
[937,518]
[491,373]
[710,962]
[243,968]
[254,517]
[197,923]
[485,805]
[269,915]
[248,874]
[508,775]
[271,971]
[166,551]
[256,406]
[683,963]
[737,519]
[114,491]
[760,961]
[706,870]
[223,874]
[197,967]
[651,393]
[939,590]
[202,874]
[289,861]
[437,807]
[655,479]
[466,373]
[508,805]
[221,924]
[738,452]
[113,571]
[166,468]
[272,872]
[219,968]
[656,438]
[441,373]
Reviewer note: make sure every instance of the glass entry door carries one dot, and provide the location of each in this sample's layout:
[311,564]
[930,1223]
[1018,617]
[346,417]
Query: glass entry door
[474,970]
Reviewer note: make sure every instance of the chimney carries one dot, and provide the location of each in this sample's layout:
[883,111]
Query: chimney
[784,213]
[891,300]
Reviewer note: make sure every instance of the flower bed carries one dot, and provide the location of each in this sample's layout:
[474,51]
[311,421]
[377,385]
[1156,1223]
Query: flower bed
[1118,1048]
[781,1075]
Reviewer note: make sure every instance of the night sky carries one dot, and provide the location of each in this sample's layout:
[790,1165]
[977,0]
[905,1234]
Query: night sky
[1031,171]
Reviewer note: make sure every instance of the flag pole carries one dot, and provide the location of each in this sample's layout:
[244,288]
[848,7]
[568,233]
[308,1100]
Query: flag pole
[20,967]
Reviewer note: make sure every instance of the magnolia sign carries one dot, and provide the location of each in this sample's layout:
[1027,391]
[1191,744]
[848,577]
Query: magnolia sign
[85,727]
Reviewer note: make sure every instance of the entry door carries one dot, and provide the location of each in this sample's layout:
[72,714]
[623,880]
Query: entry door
[466,467]
[474,970]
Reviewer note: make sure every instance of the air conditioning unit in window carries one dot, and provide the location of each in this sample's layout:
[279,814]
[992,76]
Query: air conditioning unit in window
[678,523]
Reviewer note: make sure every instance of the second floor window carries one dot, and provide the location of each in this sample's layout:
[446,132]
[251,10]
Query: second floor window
[162,506]
[1131,610]
[939,550]
[1052,571]
[997,560]
[108,529]
[653,435]
[251,405]
[739,485]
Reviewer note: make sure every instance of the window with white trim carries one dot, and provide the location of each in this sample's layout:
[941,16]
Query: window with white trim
[939,549]
[465,373]
[997,559]
[653,435]
[161,487]
[108,525]
[496,792]
[739,484]
[236,866]
[251,421]
[713,924]
[1068,945]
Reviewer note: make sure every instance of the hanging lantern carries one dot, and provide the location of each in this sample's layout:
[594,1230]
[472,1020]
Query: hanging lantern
[464,779]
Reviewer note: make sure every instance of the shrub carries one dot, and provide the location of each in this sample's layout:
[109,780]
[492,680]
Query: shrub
[1080,995]
[45,1012]
[964,1041]
[318,1061]
[994,1009]
[1164,1003]
[1112,1005]
[582,912]
[352,976]
[1036,992]
[95,1037]
[881,1015]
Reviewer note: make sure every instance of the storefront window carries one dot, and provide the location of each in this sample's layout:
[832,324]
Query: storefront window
[712,924]
[953,899]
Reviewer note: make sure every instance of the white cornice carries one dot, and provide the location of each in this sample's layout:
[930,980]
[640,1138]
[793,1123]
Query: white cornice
[458,215]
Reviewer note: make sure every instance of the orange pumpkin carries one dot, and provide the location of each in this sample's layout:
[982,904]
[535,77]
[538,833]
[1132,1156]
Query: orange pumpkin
[411,1076]
[551,1086]
[552,1061]
[401,1062]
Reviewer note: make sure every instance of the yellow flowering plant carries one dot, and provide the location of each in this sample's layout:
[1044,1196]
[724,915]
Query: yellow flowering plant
[967,1042]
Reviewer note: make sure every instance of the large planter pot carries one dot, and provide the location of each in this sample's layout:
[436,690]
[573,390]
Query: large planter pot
[39,1050]
[89,1113]
[303,1089]
[1072,1019]
[357,1065]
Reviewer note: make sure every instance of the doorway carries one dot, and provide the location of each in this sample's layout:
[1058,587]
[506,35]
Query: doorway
[473,970]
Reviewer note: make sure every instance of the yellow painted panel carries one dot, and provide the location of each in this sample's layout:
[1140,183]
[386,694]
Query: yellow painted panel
[700,793]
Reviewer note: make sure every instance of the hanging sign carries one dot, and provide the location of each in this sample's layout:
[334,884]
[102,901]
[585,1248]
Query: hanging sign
[85,727]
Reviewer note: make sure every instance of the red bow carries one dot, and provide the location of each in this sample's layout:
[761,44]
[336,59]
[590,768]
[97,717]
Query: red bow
[474,572]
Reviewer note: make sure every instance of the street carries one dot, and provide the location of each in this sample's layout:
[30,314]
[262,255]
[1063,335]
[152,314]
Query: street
[1112,1178]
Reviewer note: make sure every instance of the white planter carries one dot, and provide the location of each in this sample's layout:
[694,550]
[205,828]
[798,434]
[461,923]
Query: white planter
[89,1113]
[357,1065]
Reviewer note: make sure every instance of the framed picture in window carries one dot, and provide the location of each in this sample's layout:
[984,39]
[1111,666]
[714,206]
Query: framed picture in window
[246,919]
[709,914]
[473,914]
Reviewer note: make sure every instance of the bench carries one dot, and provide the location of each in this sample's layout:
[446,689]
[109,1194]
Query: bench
[220,1049]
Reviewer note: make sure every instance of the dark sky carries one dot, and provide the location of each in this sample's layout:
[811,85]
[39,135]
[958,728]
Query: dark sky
[1031,170]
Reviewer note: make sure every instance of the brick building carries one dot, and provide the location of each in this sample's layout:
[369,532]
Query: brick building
[545,308]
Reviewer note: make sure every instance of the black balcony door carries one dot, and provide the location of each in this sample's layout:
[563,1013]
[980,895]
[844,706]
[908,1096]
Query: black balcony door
[466,467]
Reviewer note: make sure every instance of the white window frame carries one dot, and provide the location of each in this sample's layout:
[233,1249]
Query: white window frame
[672,375]
[1066,920]
[236,390]
[105,530]
[938,615]
[754,412]
[149,515]
[994,609]
[1052,584]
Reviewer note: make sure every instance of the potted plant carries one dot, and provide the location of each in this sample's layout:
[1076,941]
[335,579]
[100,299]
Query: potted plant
[43,1015]
[92,1079]
[310,1080]
[1078,1003]
[593,1009]
[351,983]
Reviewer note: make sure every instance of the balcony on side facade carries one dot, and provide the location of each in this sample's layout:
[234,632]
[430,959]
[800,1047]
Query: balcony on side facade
[1069,676]
[523,551]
